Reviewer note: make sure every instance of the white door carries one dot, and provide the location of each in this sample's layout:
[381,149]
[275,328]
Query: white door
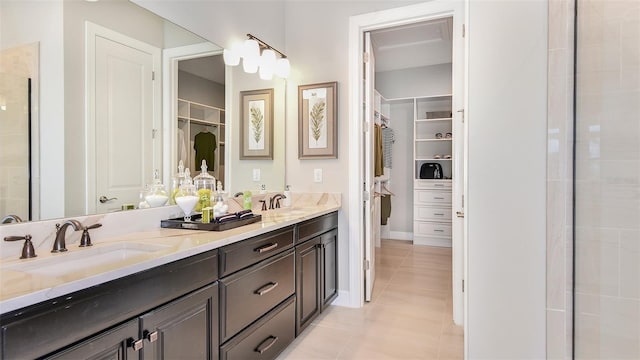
[369,218]
[124,117]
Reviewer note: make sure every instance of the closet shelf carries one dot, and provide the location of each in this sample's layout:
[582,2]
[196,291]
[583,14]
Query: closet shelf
[429,140]
[432,120]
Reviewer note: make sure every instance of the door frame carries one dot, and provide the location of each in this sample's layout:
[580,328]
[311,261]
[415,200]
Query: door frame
[92,31]
[170,61]
[358,25]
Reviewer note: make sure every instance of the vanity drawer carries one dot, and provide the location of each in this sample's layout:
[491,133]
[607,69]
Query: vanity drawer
[432,229]
[439,197]
[266,338]
[247,295]
[431,213]
[240,255]
[317,226]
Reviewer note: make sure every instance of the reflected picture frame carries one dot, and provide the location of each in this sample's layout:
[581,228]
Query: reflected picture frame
[318,121]
[256,124]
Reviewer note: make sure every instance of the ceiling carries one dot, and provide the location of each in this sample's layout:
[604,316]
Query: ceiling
[415,45]
[208,67]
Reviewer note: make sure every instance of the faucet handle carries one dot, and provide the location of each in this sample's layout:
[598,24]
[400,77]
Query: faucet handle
[264,205]
[27,249]
[86,239]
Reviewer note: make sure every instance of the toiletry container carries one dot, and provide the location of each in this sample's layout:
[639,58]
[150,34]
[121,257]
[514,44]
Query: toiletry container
[286,202]
[187,196]
[247,200]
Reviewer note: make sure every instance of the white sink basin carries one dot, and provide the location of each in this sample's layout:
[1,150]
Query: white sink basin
[79,259]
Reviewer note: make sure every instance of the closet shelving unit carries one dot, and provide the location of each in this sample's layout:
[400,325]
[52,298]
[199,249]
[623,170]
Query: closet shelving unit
[432,200]
[194,118]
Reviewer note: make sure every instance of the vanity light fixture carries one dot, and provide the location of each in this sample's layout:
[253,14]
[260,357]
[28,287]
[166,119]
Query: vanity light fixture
[253,60]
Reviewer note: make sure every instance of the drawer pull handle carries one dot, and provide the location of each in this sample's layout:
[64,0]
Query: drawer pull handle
[438,185]
[438,214]
[438,230]
[136,345]
[266,344]
[152,337]
[438,198]
[265,289]
[266,248]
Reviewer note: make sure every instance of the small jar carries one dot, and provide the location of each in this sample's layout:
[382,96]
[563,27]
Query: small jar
[157,195]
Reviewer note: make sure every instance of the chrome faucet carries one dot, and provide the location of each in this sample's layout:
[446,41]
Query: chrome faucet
[239,193]
[59,244]
[9,218]
[276,198]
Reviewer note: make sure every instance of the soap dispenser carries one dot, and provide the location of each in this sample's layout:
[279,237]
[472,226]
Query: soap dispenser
[206,186]
[220,207]
[175,182]
[157,195]
[187,197]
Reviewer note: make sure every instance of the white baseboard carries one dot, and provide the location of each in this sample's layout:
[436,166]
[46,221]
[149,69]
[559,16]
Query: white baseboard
[430,241]
[400,235]
[343,299]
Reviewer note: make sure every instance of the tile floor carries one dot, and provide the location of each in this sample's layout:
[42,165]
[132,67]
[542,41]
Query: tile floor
[409,317]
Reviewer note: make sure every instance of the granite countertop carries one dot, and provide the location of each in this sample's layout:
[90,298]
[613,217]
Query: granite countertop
[27,282]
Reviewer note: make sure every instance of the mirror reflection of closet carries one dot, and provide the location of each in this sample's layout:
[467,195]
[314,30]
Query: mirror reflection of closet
[201,114]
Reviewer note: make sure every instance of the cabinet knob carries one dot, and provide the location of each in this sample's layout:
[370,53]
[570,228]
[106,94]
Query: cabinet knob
[136,345]
[151,336]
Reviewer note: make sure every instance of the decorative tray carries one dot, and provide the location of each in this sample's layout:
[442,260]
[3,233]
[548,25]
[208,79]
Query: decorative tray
[197,224]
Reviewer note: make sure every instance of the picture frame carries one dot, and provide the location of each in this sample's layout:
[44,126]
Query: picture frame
[256,124]
[318,121]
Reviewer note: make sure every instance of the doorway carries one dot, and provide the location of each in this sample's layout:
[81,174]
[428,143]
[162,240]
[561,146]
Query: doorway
[359,25]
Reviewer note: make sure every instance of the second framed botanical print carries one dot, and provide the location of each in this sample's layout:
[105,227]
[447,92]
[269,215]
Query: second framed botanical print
[317,121]
[256,124]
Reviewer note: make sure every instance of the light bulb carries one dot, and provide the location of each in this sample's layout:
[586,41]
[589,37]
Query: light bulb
[251,56]
[231,57]
[283,68]
[267,64]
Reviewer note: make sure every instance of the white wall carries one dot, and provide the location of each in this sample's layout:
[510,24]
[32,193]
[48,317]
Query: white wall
[16,31]
[506,117]
[421,81]
[225,22]
[200,90]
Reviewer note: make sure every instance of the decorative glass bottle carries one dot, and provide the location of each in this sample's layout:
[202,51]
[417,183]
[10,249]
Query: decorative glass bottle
[157,194]
[187,197]
[206,186]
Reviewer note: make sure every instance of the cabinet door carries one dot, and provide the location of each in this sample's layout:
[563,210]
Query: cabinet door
[307,283]
[329,273]
[110,345]
[186,328]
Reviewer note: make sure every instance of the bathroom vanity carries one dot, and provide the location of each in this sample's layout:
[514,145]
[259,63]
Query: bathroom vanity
[242,294]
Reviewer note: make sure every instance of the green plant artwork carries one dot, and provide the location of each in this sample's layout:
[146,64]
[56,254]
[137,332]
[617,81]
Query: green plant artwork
[317,119]
[257,122]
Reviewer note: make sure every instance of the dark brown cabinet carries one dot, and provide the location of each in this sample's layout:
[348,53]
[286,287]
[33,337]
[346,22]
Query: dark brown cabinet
[316,271]
[183,329]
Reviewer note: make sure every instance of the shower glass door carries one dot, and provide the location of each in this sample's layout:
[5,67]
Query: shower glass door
[607,180]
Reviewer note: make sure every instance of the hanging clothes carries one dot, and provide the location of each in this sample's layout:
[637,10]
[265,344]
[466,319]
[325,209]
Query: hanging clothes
[387,145]
[385,208]
[182,148]
[378,166]
[205,146]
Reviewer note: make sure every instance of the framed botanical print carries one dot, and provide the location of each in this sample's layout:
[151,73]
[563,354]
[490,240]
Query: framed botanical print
[256,124]
[317,121]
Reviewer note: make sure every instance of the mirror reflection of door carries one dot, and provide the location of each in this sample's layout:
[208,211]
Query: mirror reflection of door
[123,114]
[17,66]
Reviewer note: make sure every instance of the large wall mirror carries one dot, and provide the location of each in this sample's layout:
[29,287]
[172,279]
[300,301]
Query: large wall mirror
[62,71]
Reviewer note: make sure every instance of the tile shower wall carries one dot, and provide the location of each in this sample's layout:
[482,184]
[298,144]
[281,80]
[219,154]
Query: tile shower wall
[607,180]
[559,178]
